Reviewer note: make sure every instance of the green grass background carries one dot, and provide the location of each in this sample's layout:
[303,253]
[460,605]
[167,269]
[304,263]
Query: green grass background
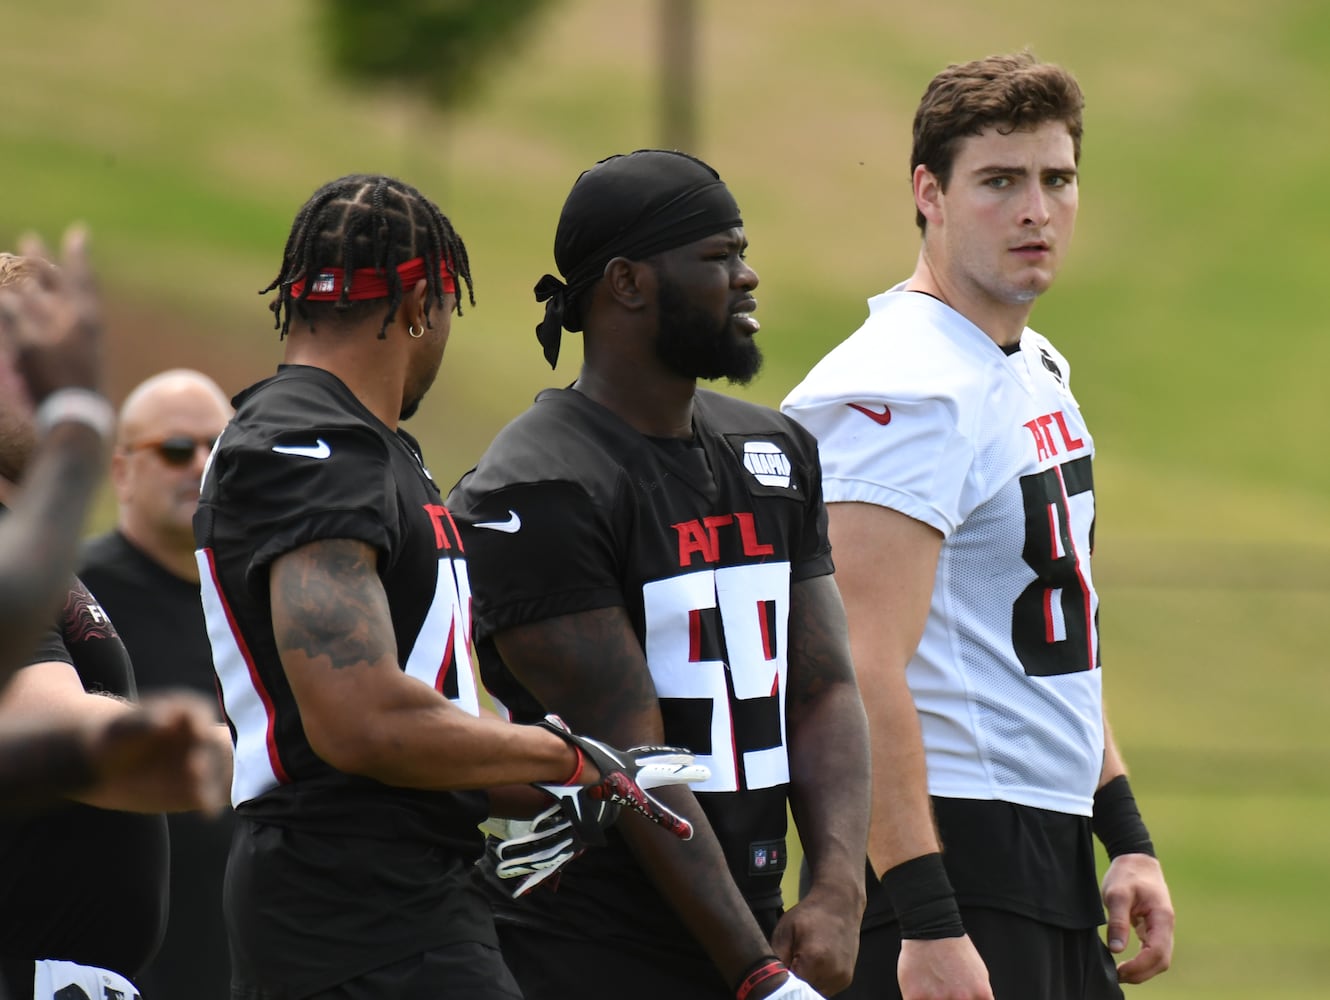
[187,135]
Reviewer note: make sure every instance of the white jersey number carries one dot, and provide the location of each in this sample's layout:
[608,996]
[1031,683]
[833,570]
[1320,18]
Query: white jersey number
[715,643]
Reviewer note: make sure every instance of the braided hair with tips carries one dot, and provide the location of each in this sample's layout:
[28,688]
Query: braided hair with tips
[359,221]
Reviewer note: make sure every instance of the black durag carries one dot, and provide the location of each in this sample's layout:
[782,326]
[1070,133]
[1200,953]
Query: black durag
[632,206]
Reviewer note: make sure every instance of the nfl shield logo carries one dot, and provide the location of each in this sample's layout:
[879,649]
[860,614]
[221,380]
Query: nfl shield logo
[324,283]
[760,858]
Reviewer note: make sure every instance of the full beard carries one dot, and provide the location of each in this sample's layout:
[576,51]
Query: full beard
[691,344]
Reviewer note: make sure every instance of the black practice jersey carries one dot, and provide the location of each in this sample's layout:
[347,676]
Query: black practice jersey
[78,883]
[303,461]
[571,510]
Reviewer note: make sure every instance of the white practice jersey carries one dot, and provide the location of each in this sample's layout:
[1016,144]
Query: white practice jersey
[921,412]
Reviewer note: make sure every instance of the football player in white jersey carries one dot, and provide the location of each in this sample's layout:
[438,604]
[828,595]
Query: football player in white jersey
[957,472]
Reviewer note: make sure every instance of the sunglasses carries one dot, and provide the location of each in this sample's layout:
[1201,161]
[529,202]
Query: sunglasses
[179,449]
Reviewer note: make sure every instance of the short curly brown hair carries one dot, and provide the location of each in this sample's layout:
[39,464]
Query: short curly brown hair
[1006,92]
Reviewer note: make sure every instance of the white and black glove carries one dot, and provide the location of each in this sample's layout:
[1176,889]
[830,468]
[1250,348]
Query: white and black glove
[533,852]
[625,775]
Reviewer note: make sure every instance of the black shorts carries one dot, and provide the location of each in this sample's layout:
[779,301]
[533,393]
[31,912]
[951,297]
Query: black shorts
[554,967]
[1027,960]
[464,970]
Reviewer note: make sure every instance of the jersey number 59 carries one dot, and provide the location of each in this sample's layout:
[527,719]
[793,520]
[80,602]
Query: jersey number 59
[715,642]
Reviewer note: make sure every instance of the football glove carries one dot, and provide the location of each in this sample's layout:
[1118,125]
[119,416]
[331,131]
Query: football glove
[530,853]
[625,776]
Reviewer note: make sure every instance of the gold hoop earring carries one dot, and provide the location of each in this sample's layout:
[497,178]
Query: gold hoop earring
[412,331]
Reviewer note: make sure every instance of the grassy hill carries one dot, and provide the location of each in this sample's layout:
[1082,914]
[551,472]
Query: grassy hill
[187,136]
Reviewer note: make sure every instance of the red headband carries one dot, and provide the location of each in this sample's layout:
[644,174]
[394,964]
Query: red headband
[369,282]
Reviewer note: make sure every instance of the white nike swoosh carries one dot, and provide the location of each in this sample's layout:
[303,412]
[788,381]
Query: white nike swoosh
[319,449]
[508,527]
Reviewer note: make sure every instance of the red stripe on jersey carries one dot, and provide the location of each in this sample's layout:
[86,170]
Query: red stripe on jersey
[270,738]
[1080,578]
[763,610]
[694,636]
[447,663]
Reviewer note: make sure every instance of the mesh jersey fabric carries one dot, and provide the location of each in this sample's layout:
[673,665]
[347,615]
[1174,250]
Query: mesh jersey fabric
[992,451]
[700,545]
[332,874]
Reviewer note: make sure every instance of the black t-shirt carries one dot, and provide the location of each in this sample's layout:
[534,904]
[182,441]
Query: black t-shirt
[570,510]
[157,614]
[78,883]
[332,874]
[160,620]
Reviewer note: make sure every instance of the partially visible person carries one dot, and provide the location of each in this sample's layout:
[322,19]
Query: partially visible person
[650,560]
[83,879]
[143,573]
[54,430]
[957,470]
[336,592]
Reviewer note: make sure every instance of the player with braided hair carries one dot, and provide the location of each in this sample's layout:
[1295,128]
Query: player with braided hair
[366,221]
[336,593]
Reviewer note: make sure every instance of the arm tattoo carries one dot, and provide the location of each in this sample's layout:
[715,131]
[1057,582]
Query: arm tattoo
[328,603]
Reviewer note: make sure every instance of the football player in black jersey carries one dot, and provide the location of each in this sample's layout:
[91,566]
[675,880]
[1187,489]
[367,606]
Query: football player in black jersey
[335,590]
[651,559]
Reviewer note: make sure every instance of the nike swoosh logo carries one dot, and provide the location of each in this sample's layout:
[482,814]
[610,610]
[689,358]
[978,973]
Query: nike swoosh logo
[882,418]
[319,449]
[508,527]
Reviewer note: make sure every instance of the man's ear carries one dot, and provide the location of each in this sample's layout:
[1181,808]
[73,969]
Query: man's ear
[928,194]
[630,283]
[412,311]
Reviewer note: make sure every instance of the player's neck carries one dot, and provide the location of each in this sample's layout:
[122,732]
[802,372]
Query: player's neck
[1002,322]
[374,370]
[654,406]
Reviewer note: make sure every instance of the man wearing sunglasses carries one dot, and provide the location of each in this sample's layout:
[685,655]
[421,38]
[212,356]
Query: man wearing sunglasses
[144,575]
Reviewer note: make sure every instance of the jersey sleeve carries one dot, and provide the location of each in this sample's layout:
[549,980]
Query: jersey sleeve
[916,461]
[536,551]
[52,648]
[812,556]
[291,497]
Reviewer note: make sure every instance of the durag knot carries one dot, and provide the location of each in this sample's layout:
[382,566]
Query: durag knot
[554,293]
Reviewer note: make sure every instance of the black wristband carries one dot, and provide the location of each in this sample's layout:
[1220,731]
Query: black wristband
[764,968]
[923,899]
[1117,821]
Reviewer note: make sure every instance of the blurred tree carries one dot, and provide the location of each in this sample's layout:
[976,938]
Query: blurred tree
[438,48]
